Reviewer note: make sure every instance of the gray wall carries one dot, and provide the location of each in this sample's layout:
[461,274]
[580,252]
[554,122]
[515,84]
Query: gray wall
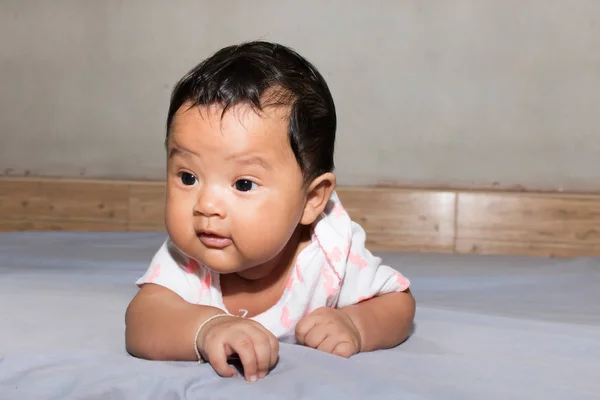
[467,93]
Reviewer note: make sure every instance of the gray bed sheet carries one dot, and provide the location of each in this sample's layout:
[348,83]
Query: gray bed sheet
[487,327]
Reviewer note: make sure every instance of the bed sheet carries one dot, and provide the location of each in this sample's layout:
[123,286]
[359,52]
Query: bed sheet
[487,327]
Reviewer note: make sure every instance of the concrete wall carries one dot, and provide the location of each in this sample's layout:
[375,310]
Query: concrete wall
[467,93]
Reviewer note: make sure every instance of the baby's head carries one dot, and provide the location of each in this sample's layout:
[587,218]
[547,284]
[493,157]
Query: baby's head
[250,143]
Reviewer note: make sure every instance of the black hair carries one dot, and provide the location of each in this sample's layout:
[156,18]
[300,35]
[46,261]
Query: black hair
[260,74]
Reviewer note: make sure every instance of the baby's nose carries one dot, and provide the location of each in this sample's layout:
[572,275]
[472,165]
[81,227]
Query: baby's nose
[210,204]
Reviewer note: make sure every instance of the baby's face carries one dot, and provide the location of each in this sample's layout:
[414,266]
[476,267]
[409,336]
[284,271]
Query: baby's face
[234,188]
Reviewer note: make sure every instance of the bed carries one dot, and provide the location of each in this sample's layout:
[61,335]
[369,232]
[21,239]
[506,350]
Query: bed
[487,327]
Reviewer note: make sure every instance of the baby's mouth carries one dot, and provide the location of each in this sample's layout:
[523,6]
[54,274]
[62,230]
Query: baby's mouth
[213,240]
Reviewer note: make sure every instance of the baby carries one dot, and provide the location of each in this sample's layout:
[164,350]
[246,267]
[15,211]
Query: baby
[260,249]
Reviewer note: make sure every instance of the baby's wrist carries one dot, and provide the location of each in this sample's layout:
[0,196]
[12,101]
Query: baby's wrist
[202,330]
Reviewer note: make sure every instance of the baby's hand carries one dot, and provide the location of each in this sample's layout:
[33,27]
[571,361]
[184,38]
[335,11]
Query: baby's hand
[329,330]
[257,347]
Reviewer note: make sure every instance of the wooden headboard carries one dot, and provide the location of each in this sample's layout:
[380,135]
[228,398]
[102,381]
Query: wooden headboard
[444,221]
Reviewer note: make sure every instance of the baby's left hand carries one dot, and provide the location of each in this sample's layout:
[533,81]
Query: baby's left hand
[329,330]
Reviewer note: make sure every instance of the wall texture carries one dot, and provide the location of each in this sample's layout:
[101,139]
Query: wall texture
[468,93]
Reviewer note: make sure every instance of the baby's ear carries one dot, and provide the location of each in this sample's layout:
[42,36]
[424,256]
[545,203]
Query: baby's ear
[317,196]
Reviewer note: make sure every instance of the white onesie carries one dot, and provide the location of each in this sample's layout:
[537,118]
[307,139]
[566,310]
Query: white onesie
[335,270]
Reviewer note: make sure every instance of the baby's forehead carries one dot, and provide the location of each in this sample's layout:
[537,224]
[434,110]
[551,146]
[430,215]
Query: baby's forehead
[238,120]
[244,113]
[237,130]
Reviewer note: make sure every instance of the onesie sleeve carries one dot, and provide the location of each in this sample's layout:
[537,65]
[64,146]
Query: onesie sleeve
[365,277]
[171,269]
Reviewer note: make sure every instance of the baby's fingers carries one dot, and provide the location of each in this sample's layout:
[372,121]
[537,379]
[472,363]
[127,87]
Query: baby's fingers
[344,349]
[328,344]
[245,350]
[274,350]
[304,326]
[316,336]
[218,360]
[264,352]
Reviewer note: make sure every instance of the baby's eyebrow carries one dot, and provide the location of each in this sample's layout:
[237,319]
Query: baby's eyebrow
[176,151]
[250,159]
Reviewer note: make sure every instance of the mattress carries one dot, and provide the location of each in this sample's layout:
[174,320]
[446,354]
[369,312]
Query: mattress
[487,327]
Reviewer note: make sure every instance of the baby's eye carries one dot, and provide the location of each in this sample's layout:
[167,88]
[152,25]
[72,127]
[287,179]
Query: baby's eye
[244,185]
[187,179]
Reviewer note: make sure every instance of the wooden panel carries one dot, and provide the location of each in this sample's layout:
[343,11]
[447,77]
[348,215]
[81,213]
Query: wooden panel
[393,218]
[48,202]
[11,225]
[523,223]
[410,220]
[147,206]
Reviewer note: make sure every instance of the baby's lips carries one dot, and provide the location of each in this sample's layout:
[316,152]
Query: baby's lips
[215,241]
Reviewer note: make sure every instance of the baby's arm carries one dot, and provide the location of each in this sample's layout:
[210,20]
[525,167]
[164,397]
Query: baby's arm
[160,325]
[383,321]
[376,297]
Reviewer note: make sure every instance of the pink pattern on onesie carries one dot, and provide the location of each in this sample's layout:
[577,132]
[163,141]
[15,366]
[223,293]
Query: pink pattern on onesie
[285,318]
[154,274]
[191,267]
[334,255]
[299,274]
[358,260]
[289,284]
[328,281]
[205,283]
[339,211]
[401,279]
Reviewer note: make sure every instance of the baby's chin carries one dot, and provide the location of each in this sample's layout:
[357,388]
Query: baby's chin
[223,262]
[246,269]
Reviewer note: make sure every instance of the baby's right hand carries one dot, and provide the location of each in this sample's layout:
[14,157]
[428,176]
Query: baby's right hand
[256,346]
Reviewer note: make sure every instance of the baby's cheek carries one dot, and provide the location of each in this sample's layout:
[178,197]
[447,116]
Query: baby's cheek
[179,222]
[174,218]
[257,237]
[262,234]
